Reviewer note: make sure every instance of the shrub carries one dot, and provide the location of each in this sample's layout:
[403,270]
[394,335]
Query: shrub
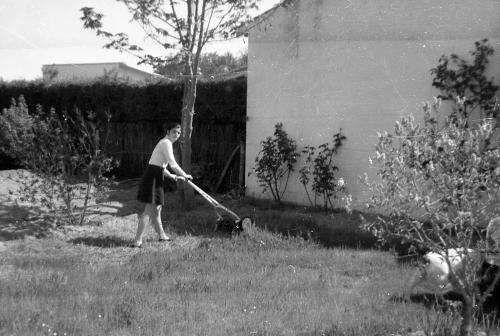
[15,129]
[274,163]
[322,168]
[64,154]
[457,77]
[439,186]
[440,181]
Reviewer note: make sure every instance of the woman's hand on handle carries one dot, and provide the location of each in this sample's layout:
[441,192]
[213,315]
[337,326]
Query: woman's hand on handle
[183,178]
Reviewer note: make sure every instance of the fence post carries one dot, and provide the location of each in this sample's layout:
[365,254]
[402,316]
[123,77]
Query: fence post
[241,176]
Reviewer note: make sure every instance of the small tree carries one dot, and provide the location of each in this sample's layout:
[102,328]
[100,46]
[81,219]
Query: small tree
[322,168]
[440,182]
[65,155]
[439,188]
[274,163]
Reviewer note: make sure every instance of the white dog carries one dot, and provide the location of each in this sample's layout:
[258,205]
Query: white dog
[434,275]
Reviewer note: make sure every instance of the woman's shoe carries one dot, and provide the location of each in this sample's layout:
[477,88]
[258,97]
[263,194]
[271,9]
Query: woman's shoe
[136,244]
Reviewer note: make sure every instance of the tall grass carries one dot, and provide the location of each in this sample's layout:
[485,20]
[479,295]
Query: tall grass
[262,282]
[259,283]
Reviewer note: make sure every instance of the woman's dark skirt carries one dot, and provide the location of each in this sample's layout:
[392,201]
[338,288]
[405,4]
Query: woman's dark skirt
[151,188]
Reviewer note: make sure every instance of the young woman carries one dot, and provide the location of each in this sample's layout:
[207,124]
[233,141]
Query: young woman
[151,187]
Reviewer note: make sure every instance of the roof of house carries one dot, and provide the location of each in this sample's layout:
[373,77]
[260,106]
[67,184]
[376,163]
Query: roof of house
[121,65]
[264,16]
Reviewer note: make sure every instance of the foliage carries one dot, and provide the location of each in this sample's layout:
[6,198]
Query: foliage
[444,174]
[64,153]
[322,168]
[439,188]
[181,28]
[15,128]
[440,180]
[274,163]
[456,77]
[219,102]
[211,65]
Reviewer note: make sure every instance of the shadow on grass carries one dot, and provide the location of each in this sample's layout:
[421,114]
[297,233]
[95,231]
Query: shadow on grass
[452,301]
[430,300]
[17,222]
[333,331]
[20,220]
[330,230]
[376,328]
[106,242]
[333,229]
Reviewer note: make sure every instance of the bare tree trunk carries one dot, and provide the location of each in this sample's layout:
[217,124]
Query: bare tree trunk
[467,316]
[188,100]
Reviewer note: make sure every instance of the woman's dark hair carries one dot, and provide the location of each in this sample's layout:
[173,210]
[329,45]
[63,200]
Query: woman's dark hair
[171,126]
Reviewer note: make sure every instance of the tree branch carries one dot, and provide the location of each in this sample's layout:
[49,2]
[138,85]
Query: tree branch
[189,27]
[207,31]
[177,22]
[200,37]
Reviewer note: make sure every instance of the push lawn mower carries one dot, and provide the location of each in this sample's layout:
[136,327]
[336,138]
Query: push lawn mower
[234,224]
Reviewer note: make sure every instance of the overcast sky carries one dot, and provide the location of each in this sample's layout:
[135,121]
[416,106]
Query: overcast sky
[37,32]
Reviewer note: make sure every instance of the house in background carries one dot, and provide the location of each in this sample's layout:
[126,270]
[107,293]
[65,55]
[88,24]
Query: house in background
[321,65]
[90,71]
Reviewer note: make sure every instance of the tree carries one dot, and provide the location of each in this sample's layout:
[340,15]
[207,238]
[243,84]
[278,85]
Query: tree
[65,155]
[182,28]
[440,181]
[439,188]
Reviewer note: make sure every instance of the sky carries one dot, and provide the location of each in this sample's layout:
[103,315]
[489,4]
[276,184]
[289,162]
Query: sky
[37,32]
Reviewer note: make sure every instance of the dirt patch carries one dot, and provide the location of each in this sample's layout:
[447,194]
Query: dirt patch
[112,220]
[16,220]
[105,240]
[20,219]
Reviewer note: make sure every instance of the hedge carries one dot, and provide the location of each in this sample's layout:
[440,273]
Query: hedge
[140,113]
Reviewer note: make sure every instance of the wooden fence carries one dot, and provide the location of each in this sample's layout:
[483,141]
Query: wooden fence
[216,151]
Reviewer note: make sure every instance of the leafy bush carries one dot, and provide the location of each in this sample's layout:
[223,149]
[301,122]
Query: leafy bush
[274,163]
[440,181]
[457,77]
[15,129]
[322,168]
[64,154]
[439,188]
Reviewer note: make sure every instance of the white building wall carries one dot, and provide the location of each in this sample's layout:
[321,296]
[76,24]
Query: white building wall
[357,65]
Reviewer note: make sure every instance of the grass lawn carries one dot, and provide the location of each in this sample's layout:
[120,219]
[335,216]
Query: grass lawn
[270,280]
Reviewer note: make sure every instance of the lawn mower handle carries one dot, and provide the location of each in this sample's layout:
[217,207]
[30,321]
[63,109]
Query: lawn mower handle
[211,200]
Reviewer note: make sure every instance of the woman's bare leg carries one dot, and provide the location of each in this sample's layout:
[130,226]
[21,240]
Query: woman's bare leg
[144,218]
[156,221]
